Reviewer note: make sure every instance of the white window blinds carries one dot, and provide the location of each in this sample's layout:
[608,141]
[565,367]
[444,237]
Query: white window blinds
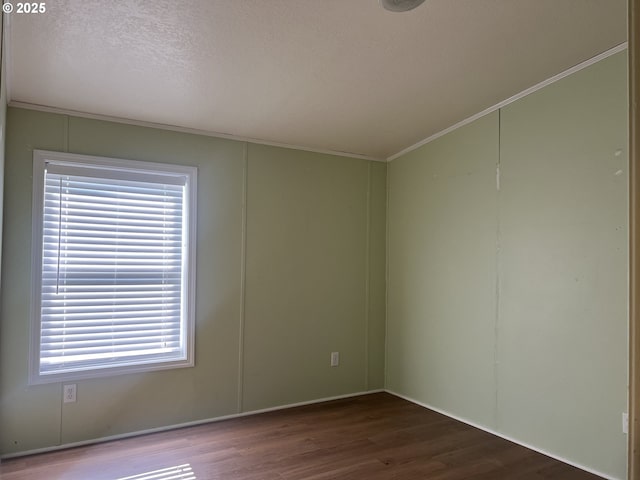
[114,269]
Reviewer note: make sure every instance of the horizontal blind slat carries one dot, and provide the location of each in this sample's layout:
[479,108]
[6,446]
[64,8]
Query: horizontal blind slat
[112,268]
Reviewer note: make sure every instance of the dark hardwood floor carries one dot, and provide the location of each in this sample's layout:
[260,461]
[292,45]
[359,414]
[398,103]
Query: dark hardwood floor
[371,437]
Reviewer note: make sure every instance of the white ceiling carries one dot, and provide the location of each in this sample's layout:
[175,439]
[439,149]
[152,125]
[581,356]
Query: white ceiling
[339,75]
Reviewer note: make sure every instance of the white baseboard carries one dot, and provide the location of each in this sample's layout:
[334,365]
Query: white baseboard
[182,425]
[501,435]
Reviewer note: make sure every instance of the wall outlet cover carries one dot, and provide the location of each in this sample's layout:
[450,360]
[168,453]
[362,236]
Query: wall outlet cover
[335,359]
[69,393]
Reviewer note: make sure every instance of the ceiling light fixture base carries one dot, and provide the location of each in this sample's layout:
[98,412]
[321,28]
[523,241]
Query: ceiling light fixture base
[400,5]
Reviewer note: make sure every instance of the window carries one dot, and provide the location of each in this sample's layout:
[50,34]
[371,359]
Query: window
[113,266]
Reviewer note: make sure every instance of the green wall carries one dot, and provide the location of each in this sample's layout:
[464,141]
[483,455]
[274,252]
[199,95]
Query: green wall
[289,269]
[307,232]
[442,270]
[508,307]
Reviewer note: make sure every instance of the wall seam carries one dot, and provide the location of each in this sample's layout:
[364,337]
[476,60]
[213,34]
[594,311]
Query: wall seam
[243,279]
[65,136]
[496,327]
[367,280]
[60,397]
[633,346]
[386,277]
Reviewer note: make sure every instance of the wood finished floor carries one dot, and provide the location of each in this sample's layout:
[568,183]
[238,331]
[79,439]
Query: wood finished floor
[373,437]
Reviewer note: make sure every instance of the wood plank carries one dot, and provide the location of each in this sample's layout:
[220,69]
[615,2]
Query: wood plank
[374,437]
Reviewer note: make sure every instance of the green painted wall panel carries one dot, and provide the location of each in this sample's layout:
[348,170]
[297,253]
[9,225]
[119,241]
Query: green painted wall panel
[136,402]
[306,272]
[442,272]
[563,304]
[377,274]
[29,415]
[35,417]
[550,251]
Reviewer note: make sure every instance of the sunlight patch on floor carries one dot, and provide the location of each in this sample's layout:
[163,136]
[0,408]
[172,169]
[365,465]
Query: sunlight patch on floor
[180,472]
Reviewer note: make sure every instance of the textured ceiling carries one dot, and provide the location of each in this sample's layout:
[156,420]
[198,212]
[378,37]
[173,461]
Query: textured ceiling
[340,75]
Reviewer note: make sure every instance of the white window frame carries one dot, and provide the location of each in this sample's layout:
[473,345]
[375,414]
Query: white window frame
[40,159]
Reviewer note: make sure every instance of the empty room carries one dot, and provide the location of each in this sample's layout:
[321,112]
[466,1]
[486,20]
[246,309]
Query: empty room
[319,239]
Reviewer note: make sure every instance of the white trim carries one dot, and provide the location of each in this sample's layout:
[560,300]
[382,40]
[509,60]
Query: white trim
[193,131]
[37,201]
[190,175]
[503,436]
[183,425]
[517,96]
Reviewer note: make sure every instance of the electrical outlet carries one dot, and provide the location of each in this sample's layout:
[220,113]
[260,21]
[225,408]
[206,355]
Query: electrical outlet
[69,393]
[625,423]
[335,359]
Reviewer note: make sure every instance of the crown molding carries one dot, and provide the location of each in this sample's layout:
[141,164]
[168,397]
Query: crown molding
[517,96]
[194,131]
